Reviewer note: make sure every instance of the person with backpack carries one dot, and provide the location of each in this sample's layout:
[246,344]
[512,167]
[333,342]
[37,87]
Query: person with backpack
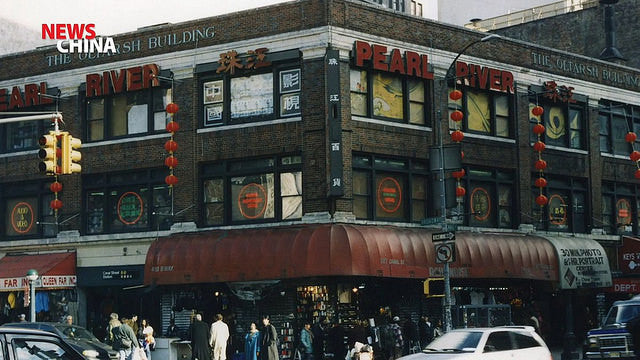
[125,341]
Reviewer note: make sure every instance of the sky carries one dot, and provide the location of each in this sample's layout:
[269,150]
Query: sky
[117,16]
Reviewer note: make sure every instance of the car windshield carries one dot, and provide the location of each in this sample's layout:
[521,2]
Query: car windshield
[456,340]
[75,332]
[621,314]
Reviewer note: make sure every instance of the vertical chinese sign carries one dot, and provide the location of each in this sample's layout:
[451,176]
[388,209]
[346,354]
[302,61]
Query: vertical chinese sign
[334,118]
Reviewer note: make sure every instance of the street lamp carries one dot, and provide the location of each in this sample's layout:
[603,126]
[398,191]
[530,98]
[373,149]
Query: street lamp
[450,75]
[32,276]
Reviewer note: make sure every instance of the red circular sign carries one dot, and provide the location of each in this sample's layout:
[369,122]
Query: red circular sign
[557,210]
[623,206]
[389,195]
[480,204]
[252,201]
[130,208]
[22,218]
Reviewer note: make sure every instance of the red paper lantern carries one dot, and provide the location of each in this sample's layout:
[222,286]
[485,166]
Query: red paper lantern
[457,136]
[538,129]
[55,187]
[635,155]
[637,174]
[541,200]
[455,95]
[458,174]
[539,146]
[56,204]
[171,180]
[457,115]
[537,110]
[460,191]
[540,182]
[171,146]
[541,164]
[172,126]
[630,137]
[171,161]
[172,108]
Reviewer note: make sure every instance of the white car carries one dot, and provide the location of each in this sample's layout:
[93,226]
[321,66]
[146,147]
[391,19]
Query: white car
[498,343]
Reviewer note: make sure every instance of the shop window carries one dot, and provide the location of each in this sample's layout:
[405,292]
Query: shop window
[485,112]
[620,208]
[489,198]
[260,190]
[388,96]
[26,210]
[24,135]
[137,201]
[231,98]
[128,114]
[616,120]
[389,189]
[563,118]
[566,209]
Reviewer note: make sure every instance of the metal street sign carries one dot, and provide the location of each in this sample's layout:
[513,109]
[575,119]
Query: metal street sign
[445,253]
[443,236]
[431,221]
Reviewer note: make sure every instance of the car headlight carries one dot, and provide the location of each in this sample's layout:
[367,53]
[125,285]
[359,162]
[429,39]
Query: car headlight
[90,353]
[593,342]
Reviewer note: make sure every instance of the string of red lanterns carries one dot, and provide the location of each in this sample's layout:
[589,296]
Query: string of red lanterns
[55,204]
[539,147]
[171,145]
[457,136]
[635,155]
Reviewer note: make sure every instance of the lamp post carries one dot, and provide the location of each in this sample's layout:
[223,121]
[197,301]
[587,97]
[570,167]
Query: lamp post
[446,274]
[32,276]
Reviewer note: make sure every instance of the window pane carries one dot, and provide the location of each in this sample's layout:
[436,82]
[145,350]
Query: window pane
[502,105]
[252,197]
[23,214]
[162,207]
[618,132]
[418,198]
[502,126]
[95,212]
[361,207]
[417,113]
[22,135]
[358,88]
[291,192]
[389,196]
[478,112]
[252,96]
[161,97]
[504,206]
[416,90]
[555,126]
[214,201]
[558,211]
[387,96]
[128,114]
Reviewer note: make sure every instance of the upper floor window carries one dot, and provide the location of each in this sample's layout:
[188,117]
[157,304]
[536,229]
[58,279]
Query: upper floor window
[566,209]
[124,202]
[620,203]
[616,120]
[260,190]
[489,198]
[416,8]
[255,86]
[26,210]
[389,189]
[564,116]
[484,112]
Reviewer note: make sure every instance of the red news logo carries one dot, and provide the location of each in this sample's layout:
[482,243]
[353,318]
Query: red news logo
[80,38]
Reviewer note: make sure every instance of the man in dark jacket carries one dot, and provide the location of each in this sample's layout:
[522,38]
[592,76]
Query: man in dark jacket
[269,343]
[125,341]
[199,332]
[426,331]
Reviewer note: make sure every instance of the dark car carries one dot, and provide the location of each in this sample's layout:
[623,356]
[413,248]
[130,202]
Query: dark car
[28,344]
[78,337]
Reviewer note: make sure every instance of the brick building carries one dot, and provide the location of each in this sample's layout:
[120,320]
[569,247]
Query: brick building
[305,176]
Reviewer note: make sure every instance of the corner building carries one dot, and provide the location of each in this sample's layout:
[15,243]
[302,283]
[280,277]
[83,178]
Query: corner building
[307,188]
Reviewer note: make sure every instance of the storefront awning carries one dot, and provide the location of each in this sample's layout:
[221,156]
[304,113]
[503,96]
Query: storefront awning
[341,250]
[56,270]
[582,263]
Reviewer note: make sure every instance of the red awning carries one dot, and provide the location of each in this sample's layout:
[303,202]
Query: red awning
[55,270]
[340,249]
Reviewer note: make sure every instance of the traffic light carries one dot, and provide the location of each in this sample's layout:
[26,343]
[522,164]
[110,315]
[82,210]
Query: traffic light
[434,287]
[70,156]
[49,154]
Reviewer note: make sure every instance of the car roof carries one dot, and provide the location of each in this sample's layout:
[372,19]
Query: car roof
[24,330]
[498,328]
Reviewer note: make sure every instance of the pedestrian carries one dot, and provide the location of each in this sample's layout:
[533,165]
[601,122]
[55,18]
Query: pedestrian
[335,341]
[306,339]
[319,331]
[398,340]
[68,320]
[411,338]
[22,318]
[199,336]
[425,328]
[125,341]
[219,336]
[437,330]
[113,323]
[252,343]
[148,341]
[269,341]
[172,330]
[70,331]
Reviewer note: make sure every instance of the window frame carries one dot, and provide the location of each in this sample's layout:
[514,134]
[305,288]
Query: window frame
[463,105]
[44,221]
[617,191]
[571,187]
[495,180]
[608,111]
[225,171]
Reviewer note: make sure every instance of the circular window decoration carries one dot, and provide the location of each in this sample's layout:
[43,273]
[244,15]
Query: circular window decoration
[480,204]
[389,195]
[557,210]
[252,201]
[130,208]
[623,208]
[22,218]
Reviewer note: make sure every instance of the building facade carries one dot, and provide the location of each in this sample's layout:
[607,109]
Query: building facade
[298,175]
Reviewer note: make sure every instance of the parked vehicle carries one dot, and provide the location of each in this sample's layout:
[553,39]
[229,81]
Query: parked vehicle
[611,339]
[497,343]
[27,344]
[78,337]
